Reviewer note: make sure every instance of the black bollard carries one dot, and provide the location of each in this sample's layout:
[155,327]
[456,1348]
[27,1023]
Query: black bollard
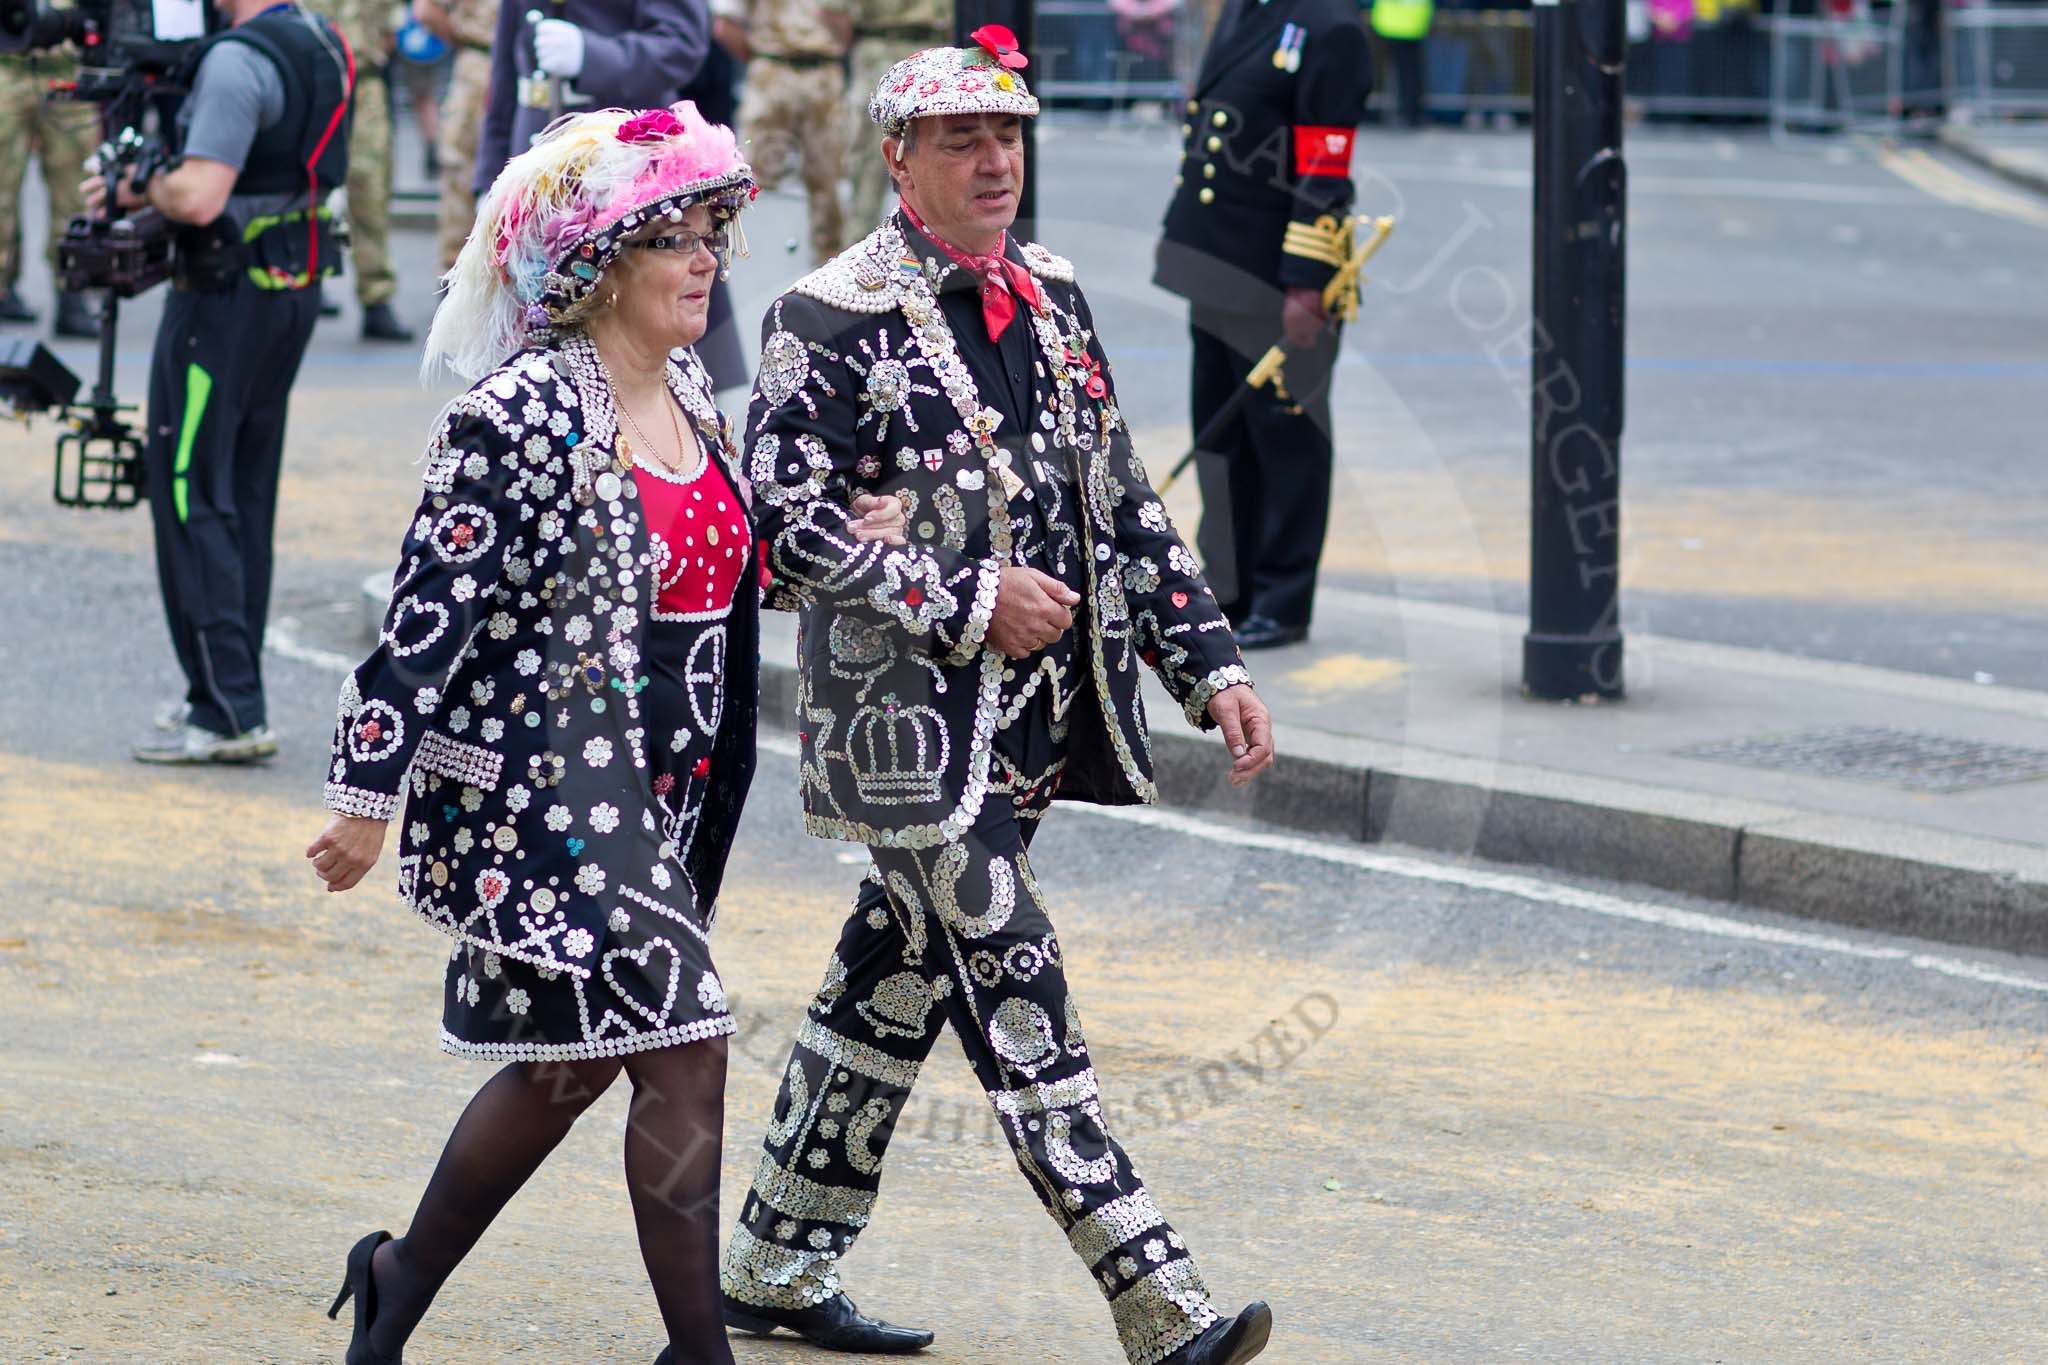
[1021,18]
[1573,646]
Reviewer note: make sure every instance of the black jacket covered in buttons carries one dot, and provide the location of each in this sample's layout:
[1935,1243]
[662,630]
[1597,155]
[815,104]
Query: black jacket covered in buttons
[1265,172]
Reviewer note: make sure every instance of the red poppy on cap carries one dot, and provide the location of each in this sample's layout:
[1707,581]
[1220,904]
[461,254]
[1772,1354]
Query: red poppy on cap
[1000,44]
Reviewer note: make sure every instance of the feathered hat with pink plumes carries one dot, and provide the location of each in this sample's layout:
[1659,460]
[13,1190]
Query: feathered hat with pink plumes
[561,212]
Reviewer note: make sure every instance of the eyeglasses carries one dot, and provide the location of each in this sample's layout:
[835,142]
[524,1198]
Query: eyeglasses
[685,244]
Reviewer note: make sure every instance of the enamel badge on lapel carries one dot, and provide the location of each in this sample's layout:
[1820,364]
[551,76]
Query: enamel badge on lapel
[1085,370]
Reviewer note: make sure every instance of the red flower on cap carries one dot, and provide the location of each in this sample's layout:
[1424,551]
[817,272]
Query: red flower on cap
[650,126]
[1000,44]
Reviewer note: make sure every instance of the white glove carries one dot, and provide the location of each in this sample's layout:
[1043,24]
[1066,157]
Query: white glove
[558,48]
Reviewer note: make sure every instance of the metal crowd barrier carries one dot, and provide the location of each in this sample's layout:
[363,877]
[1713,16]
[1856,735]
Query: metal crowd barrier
[1086,54]
[1997,59]
[1835,75]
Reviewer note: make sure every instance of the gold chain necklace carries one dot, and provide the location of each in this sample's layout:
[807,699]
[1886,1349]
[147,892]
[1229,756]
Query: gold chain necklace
[675,427]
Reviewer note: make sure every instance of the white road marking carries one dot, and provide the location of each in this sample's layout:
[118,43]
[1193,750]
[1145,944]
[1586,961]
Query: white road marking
[1529,889]
[1553,893]
[283,639]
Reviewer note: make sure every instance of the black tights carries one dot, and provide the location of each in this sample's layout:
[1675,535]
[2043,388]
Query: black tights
[673,1131]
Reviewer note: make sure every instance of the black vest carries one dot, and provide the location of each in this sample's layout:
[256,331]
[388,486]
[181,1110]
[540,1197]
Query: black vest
[305,152]
[307,149]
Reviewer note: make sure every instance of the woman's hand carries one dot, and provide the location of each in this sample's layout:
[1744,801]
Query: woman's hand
[880,517]
[346,850]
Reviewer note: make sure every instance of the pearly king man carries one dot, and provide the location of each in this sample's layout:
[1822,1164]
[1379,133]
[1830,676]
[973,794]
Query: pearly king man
[950,688]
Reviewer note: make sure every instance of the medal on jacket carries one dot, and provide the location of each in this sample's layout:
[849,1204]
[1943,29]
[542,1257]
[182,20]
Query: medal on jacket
[1287,56]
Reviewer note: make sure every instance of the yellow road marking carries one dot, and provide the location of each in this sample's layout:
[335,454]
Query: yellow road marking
[1347,673]
[1926,172]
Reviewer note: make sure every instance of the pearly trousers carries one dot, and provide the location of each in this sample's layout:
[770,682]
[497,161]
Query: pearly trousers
[955,934]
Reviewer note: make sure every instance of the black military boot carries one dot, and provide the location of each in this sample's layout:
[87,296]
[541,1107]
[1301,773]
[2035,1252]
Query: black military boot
[12,309]
[381,324]
[76,317]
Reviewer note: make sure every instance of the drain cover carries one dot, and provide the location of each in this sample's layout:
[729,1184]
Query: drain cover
[1875,753]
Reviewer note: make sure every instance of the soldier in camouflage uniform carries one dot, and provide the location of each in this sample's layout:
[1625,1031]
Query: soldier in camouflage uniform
[884,33]
[467,26]
[794,103]
[60,134]
[371,28]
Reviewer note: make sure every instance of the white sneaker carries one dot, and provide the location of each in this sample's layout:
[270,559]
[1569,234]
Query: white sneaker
[189,744]
[171,715]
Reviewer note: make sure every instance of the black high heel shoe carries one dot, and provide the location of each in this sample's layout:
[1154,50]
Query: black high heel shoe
[362,1285]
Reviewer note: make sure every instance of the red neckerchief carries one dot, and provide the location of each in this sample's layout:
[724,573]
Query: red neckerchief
[1003,281]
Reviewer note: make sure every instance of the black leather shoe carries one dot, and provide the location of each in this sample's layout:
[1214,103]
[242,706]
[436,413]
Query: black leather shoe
[76,316]
[1263,632]
[1229,1343]
[381,324]
[12,309]
[834,1324]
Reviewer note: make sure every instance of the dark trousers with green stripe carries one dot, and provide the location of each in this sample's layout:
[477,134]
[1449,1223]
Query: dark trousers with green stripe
[218,385]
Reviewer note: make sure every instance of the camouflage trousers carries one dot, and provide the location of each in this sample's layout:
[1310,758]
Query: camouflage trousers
[462,124]
[869,175]
[59,134]
[369,191]
[957,935]
[794,110]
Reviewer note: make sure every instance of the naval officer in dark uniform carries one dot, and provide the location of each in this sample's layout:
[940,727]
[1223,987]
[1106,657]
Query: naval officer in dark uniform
[1255,230]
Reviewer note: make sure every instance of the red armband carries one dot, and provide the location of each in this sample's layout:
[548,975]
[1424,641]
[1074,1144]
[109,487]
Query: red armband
[1322,151]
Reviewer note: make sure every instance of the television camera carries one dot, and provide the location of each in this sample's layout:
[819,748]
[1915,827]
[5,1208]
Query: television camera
[132,62]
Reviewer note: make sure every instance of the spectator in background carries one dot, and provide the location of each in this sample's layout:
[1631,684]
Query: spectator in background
[620,53]
[1671,48]
[468,26]
[1146,28]
[373,37]
[714,94]
[424,60]
[795,52]
[884,33]
[59,134]
[1403,25]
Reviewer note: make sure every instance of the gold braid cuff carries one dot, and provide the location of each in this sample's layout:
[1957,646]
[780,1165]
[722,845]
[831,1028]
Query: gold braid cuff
[1327,240]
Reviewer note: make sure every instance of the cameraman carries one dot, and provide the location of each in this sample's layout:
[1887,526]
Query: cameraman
[260,143]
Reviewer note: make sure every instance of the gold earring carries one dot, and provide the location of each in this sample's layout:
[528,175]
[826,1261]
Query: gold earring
[613,301]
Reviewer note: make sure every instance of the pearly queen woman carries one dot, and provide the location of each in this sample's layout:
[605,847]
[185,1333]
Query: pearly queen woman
[563,702]
[949,688]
